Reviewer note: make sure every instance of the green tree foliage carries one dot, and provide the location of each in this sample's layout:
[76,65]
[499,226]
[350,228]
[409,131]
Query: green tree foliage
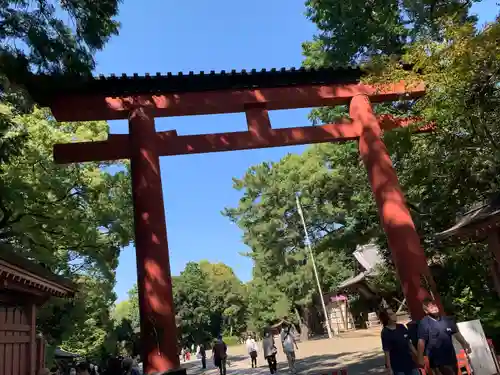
[91,321]
[461,157]
[272,228]
[54,37]
[123,337]
[72,219]
[128,309]
[46,37]
[193,305]
[121,311]
[133,299]
[266,305]
[209,300]
[227,298]
[354,31]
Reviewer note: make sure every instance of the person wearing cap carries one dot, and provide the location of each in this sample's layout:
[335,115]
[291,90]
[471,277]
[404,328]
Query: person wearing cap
[435,334]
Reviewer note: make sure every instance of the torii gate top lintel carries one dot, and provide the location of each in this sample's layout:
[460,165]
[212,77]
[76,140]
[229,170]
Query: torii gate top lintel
[111,98]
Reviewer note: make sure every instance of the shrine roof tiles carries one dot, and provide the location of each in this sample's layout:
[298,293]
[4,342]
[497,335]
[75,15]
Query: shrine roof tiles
[481,218]
[21,270]
[43,87]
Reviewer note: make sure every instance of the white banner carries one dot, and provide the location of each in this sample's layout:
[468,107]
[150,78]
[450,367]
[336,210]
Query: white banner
[481,359]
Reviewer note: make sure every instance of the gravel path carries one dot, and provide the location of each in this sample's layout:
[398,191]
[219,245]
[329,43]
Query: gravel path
[357,351]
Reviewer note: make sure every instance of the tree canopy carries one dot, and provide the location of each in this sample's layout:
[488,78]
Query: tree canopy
[54,37]
[72,219]
[273,231]
[51,37]
[209,300]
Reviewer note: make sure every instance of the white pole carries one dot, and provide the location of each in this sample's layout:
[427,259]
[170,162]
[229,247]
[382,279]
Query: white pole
[308,244]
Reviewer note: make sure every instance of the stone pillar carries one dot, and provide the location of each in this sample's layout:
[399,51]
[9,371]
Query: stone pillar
[158,330]
[403,240]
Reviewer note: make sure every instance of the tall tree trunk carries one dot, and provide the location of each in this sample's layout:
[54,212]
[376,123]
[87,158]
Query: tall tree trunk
[297,315]
[304,329]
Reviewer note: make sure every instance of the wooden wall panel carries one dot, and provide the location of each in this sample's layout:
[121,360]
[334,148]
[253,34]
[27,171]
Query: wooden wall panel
[14,341]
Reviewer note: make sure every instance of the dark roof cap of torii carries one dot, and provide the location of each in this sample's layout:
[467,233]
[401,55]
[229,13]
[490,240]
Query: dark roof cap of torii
[43,88]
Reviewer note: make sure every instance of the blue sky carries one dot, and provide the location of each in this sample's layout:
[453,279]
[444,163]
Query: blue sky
[193,35]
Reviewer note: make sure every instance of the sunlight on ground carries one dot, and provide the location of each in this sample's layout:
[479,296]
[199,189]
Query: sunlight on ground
[359,351]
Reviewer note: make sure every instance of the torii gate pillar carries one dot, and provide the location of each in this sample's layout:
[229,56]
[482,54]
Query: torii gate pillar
[402,237]
[158,331]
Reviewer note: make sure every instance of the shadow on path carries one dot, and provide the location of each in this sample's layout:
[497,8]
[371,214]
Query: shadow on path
[357,364]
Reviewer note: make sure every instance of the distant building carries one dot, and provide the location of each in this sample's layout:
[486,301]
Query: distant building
[337,303]
[368,257]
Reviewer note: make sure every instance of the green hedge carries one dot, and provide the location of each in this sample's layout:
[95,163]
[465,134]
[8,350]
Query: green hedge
[231,340]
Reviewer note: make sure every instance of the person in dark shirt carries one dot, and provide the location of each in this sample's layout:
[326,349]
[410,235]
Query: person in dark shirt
[128,367]
[219,353]
[412,327]
[435,340]
[203,355]
[397,346]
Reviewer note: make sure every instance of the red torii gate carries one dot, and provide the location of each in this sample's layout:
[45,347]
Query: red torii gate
[141,99]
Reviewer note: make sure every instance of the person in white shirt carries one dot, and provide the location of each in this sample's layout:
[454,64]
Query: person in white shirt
[270,351]
[289,345]
[252,350]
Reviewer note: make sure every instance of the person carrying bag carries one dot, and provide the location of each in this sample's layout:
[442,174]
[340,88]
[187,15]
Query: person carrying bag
[289,346]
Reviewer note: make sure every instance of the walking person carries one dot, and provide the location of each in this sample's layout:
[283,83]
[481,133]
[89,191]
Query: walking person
[203,355]
[252,350]
[219,354]
[398,349]
[289,346]
[435,334]
[270,351]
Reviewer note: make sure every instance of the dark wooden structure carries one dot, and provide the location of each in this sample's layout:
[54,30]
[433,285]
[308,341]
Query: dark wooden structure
[24,285]
[480,224]
[142,98]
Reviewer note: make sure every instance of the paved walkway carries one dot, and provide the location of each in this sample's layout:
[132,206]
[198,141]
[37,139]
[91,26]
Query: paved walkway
[358,351]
